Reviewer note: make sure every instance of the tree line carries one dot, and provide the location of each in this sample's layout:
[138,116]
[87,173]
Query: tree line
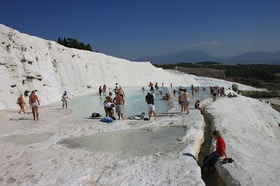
[268,73]
[74,43]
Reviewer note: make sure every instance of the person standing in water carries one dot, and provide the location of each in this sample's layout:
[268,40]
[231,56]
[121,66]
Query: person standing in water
[21,103]
[187,101]
[34,102]
[151,105]
[156,86]
[174,92]
[109,105]
[151,85]
[100,90]
[116,90]
[104,90]
[121,91]
[181,99]
[119,101]
[192,88]
[64,100]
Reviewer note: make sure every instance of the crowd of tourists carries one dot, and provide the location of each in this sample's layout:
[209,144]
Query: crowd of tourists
[115,104]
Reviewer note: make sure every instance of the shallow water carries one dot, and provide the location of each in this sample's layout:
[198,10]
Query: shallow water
[133,142]
[27,139]
[134,98]
[201,94]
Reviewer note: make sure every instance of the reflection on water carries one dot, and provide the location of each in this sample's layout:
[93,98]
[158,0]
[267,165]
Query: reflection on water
[135,142]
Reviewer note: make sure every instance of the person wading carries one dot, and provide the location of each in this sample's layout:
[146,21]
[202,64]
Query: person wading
[151,105]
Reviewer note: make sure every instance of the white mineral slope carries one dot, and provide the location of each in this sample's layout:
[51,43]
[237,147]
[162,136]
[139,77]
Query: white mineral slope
[31,63]
[251,129]
[30,154]
[28,63]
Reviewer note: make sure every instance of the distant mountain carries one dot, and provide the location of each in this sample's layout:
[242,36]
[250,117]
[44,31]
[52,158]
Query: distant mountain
[256,58]
[190,56]
[179,57]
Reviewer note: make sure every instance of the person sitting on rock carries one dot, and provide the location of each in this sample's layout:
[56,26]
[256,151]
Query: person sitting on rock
[220,151]
[197,106]
[230,95]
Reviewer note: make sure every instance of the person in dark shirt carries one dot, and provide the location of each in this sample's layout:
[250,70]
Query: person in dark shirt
[150,99]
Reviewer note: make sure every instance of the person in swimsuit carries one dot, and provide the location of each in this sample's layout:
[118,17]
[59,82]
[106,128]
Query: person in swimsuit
[100,90]
[119,101]
[187,101]
[34,102]
[64,100]
[21,103]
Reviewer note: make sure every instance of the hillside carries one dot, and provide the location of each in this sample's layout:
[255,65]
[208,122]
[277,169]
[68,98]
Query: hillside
[178,57]
[261,76]
[191,56]
[30,63]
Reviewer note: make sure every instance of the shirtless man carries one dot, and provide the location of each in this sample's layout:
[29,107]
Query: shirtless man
[34,102]
[121,91]
[21,103]
[119,101]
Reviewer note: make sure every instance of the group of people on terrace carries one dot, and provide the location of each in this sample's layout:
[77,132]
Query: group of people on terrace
[217,91]
[117,102]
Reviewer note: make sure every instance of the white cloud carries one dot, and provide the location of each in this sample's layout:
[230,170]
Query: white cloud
[204,44]
[246,44]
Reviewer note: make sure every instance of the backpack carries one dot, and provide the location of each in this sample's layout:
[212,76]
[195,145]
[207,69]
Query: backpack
[107,120]
[94,115]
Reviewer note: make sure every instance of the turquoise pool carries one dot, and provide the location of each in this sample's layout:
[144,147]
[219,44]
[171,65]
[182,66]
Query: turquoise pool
[135,103]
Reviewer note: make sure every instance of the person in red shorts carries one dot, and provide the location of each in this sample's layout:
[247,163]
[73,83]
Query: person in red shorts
[220,151]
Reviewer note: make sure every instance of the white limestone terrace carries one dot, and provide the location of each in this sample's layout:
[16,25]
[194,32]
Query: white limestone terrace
[31,63]
[251,129]
[31,156]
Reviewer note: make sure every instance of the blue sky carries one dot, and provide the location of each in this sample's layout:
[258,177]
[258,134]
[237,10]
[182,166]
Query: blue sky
[131,29]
